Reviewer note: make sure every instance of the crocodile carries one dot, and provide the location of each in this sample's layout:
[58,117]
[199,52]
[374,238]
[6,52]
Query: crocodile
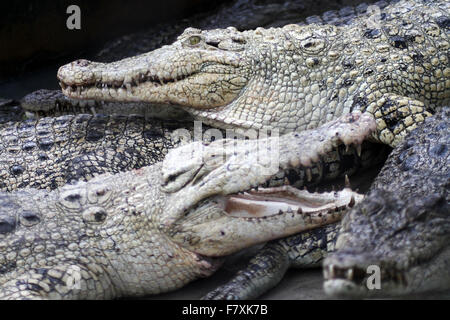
[402,226]
[242,14]
[112,236]
[390,63]
[121,235]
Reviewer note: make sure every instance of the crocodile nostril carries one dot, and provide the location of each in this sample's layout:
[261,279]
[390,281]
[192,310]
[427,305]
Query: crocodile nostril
[7,224]
[82,62]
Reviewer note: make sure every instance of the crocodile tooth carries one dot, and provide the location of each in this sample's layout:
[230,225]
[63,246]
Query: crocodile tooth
[308,174]
[352,202]
[358,150]
[331,271]
[350,274]
[286,181]
[79,90]
[347,181]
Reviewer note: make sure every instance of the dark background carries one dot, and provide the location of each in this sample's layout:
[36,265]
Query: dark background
[33,32]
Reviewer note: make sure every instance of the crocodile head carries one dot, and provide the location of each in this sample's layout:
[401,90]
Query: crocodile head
[221,225]
[221,76]
[201,70]
[405,244]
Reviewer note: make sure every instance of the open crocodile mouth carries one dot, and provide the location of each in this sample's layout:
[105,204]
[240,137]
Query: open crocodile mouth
[267,202]
[225,224]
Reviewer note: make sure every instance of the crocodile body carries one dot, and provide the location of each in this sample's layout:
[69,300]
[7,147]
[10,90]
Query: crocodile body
[402,226]
[392,64]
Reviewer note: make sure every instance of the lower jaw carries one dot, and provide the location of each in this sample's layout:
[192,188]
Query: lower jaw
[343,288]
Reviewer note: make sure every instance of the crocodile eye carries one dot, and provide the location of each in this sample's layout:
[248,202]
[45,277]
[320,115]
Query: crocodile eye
[194,40]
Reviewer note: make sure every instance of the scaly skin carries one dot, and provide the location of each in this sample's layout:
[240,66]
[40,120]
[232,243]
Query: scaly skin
[291,78]
[402,226]
[110,237]
[227,166]
[51,152]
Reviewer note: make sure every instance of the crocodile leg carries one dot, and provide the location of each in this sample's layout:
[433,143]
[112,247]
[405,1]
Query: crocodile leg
[396,116]
[268,267]
[262,273]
